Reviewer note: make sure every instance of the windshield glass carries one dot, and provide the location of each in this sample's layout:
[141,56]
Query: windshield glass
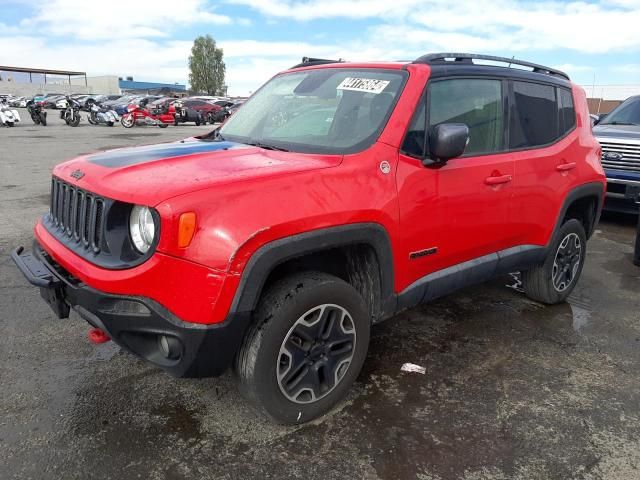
[331,110]
[628,113]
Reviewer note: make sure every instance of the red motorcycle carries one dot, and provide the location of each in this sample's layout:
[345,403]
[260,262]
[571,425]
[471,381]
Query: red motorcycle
[162,116]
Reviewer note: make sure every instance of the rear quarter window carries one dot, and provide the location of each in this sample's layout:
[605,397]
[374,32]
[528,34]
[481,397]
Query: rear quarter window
[567,111]
[534,115]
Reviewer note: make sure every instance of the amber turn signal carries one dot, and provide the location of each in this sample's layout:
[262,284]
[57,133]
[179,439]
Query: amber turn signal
[186,229]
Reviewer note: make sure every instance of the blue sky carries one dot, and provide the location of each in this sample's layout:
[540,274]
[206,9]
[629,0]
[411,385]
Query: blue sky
[150,39]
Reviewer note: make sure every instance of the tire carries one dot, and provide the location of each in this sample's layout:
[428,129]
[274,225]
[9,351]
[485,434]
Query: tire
[163,125]
[109,124]
[264,362]
[127,121]
[43,119]
[554,280]
[74,121]
[91,119]
[175,122]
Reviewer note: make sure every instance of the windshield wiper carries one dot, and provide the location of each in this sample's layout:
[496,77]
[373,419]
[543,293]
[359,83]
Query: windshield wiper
[267,146]
[213,136]
[623,123]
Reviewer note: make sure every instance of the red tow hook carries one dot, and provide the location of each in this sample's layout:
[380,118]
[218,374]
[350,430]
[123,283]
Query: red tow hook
[97,336]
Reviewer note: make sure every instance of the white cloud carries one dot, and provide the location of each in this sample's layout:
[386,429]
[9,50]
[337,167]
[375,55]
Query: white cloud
[511,25]
[90,20]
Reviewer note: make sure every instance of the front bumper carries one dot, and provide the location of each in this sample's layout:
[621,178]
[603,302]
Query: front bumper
[138,324]
[623,192]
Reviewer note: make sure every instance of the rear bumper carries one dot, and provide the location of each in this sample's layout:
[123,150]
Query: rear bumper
[138,324]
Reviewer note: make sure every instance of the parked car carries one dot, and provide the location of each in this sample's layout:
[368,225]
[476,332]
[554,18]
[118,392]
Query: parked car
[339,195]
[619,135]
[20,102]
[234,108]
[52,100]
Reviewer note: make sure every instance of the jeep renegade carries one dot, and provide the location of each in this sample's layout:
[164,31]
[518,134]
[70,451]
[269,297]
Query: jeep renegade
[339,195]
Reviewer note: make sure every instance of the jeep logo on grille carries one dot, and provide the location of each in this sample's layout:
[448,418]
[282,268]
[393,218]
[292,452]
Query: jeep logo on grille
[612,156]
[77,174]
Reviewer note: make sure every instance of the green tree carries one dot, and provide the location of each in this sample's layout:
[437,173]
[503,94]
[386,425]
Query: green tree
[206,67]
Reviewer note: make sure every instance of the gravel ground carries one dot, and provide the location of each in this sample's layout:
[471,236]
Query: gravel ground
[513,389]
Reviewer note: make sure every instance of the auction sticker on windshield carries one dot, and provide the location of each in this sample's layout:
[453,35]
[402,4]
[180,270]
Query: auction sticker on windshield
[368,85]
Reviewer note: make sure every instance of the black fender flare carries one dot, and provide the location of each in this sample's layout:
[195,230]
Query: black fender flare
[593,189]
[274,253]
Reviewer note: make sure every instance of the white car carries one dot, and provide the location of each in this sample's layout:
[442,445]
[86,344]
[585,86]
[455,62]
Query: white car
[61,104]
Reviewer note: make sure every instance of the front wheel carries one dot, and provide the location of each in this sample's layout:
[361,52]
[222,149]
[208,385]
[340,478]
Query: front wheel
[127,121]
[554,280]
[74,121]
[92,119]
[163,125]
[43,119]
[305,348]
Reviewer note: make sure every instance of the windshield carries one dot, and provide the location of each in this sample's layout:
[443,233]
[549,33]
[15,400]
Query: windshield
[332,110]
[628,113]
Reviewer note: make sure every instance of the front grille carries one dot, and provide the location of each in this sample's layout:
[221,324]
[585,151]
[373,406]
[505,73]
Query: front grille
[629,156]
[77,215]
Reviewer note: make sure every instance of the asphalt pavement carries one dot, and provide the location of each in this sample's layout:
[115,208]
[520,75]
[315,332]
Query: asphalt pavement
[512,389]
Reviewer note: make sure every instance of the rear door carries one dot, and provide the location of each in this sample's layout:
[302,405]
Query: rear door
[542,120]
[459,211]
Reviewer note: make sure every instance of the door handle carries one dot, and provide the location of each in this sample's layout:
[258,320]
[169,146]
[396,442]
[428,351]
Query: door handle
[565,167]
[498,180]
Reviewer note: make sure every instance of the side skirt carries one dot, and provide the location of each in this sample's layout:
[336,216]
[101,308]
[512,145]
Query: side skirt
[474,271]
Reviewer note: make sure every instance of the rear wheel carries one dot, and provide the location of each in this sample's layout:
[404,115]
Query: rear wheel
[554,280]
[306,347]
[163,125]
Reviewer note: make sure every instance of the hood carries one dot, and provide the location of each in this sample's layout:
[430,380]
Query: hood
[151,174]
[623,132]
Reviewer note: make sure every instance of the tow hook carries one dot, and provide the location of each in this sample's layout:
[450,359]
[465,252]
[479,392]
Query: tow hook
[97,336]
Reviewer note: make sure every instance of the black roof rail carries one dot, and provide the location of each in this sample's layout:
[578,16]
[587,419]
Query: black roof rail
[309,61]
[467,58]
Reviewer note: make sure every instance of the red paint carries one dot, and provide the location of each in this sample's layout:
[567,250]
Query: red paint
[97,336]
[244,198]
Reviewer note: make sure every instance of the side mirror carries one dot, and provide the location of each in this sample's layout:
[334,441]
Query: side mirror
[447,141]
[601,117]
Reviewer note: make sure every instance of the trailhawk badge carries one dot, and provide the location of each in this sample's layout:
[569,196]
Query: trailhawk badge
[385,167]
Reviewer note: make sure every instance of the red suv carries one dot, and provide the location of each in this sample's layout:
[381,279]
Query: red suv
[338,196]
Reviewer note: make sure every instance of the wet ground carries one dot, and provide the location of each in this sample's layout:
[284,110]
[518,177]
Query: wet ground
[512,389]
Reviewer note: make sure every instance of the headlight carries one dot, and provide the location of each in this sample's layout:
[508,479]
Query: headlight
[142,228]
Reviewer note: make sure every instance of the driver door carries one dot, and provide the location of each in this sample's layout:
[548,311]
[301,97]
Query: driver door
[459,211]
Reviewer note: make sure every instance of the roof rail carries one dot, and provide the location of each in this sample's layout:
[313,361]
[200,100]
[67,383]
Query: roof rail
[467,58]
[309,61]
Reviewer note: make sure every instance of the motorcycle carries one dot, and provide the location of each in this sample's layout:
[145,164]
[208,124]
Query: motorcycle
[105,116]
[71,114]
[184,114]
[8,116]
[136,115]
[37,112]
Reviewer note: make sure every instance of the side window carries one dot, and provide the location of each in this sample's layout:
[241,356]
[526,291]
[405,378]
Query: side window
[414,140]
[567,112]
[534,115]
[475,102]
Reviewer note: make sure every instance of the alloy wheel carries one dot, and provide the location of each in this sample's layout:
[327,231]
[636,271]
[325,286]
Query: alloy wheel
[566,262]
[316,353]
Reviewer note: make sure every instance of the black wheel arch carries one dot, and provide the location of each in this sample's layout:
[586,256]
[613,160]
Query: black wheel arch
[273,254]
[583,203]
